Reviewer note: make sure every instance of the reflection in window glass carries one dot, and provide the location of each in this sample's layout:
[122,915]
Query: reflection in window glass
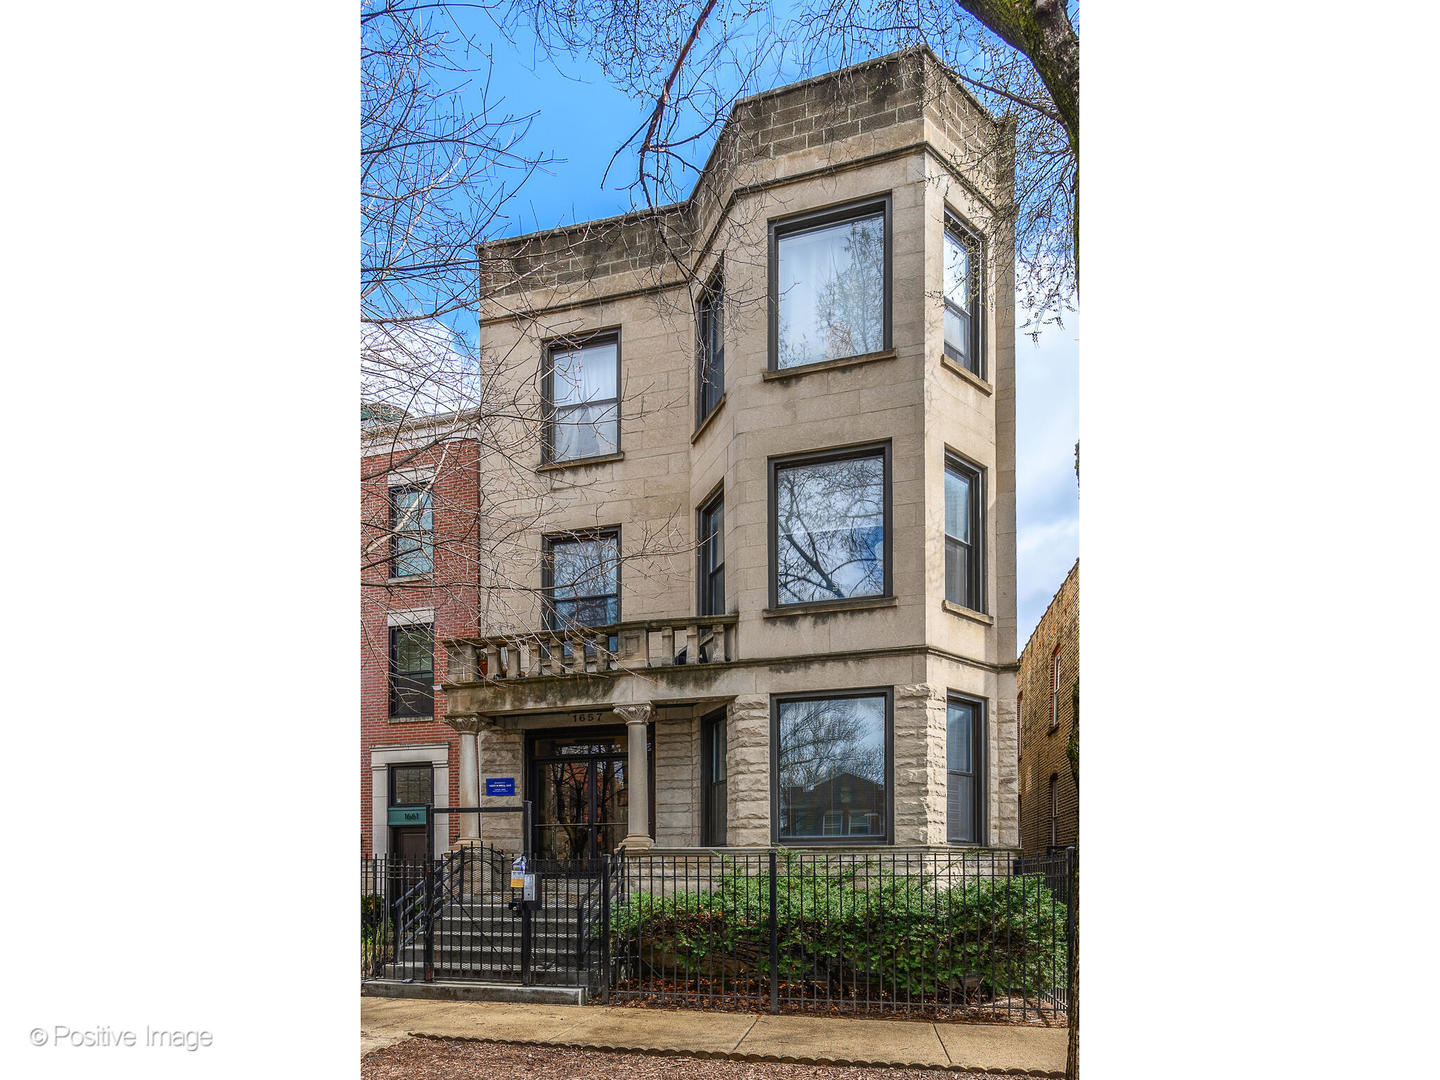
[412,670]
[832,767]
[411,785]
[412,538]
[830,529]
[831,291]
[962,296]
[964,573]
[712,346]
[585,581]
[962,786]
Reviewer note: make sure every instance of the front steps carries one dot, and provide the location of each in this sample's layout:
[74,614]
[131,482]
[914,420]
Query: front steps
[481,940]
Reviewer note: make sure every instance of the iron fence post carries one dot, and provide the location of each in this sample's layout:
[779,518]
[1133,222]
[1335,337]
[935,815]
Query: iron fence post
[774,940]
[608,969]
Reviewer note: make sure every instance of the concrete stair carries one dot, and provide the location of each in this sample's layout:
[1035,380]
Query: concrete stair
[481,940]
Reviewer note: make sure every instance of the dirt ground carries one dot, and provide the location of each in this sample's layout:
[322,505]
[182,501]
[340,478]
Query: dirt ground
[441,1059]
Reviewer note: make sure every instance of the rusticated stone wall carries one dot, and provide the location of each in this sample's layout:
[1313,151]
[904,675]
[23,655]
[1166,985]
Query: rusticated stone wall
[919,764]
[747,757]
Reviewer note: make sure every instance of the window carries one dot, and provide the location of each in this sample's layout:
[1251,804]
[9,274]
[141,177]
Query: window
[712,556]
[1019,722]
[829,526]
[710,384]
[964,534]
[582,580]
[412,538]
[1054,810]
[830,285]
[412,785]
[964,272]
[582,399]
[713,779]
[831,767]
[1055,688]
[963,756]
[412,671]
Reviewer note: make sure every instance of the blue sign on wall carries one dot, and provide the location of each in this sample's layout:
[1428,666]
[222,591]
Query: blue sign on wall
[503,785]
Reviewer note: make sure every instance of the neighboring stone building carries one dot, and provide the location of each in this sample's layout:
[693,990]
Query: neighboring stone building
[1049,668]
[419,498]
[769,436]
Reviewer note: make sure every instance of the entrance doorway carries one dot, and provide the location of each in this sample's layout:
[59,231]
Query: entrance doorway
[582,793]
[410,785]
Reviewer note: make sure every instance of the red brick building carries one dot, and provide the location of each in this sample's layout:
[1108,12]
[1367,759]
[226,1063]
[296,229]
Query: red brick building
[419,498]
[1049,669]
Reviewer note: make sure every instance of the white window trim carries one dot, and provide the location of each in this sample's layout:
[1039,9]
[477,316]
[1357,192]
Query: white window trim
[437,755]
[411,617]
[410,478]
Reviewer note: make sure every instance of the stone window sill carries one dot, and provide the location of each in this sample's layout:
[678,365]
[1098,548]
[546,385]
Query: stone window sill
[704,424]
[600,459]
[968,613]
[411,579]
[824,607]
[966,374]
[409,719]
[780,374]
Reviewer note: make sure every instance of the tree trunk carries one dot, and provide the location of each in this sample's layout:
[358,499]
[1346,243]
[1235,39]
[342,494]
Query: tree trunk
[1041,30]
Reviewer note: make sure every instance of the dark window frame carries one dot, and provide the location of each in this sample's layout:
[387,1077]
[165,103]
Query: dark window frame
[976,546]
[979,767]
[547,570]
[791,224]
[819,457]
[1055,662]
[531,762]
[548,410]
[426,536]
[395,767]
[705,598]
[419,712]
[971,238]
[885,838]
[708,389]
[710,836]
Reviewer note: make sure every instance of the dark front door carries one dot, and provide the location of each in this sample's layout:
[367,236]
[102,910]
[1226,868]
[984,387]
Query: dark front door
[582,800]
[408,841]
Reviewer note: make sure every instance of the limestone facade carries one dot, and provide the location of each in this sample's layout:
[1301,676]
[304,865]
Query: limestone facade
[900,134]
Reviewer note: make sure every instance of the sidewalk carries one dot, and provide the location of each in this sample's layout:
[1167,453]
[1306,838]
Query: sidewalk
[808,1040]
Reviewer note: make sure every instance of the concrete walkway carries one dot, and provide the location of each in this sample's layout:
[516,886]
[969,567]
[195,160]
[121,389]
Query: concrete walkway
[810,1040]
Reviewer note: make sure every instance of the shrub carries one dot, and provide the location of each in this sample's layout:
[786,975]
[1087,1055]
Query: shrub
[894,934]
[372,914]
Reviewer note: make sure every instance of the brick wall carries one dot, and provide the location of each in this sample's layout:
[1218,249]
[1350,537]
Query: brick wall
[1042,746]
[450,590]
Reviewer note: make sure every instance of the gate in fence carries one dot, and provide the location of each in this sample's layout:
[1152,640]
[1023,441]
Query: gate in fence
[480,912]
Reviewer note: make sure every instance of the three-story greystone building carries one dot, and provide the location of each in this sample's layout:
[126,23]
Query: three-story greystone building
[766,438]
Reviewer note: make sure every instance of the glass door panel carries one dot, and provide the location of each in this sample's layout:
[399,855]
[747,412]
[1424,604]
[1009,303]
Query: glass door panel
[564,808]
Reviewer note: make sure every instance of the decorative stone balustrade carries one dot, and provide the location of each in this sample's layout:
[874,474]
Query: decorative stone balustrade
[617,649]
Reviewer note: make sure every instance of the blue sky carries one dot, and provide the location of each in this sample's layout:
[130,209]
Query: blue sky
[583,120]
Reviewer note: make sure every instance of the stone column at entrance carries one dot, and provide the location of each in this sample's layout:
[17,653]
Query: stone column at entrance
[469,729]
[637,775]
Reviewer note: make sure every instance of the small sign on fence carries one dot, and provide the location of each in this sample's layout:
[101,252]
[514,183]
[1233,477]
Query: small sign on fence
[500,785]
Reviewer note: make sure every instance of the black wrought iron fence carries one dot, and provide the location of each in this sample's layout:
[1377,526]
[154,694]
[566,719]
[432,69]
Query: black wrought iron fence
[934,933]
[456,917]
[950,933]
